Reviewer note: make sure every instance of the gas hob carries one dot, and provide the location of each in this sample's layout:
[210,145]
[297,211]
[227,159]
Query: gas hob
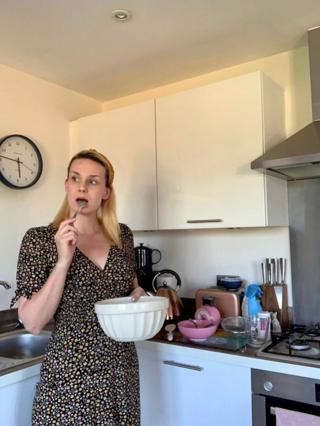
[300,345]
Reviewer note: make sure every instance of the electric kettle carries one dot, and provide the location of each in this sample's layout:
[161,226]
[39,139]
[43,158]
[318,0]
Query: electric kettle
[166,283]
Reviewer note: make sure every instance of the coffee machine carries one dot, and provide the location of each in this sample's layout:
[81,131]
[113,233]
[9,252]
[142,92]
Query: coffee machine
[145,259]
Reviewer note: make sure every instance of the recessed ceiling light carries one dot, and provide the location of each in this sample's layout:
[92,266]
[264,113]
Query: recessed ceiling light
[121,15]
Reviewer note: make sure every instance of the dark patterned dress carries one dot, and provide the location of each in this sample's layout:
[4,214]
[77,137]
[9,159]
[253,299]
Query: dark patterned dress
[86,377]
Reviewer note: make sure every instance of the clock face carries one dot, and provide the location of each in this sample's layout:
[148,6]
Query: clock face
[20,162]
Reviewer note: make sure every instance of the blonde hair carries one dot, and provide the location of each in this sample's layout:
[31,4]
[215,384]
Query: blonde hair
[106,215]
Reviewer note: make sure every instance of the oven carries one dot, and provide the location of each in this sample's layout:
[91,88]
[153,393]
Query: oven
[276,390]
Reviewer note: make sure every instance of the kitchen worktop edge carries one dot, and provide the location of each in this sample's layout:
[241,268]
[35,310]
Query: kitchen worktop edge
[249,360]
[21,372]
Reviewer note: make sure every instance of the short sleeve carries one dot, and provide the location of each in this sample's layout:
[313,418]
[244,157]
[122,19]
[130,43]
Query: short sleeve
[34,261]
[127,244]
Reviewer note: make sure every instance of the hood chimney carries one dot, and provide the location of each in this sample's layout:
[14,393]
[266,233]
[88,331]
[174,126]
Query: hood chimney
[298,157]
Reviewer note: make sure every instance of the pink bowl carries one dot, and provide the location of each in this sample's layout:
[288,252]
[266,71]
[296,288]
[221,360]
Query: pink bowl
[197,330]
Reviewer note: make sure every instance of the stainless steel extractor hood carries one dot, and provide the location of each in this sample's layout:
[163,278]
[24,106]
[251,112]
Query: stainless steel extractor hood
[298,157]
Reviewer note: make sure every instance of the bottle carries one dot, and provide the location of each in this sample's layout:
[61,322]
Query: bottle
[275,324]
[251,304]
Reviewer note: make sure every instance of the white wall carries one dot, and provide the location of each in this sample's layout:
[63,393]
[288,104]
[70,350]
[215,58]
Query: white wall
[41,111]
[199,255]
[290,70]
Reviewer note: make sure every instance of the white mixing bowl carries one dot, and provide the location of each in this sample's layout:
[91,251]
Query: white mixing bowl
[127,321]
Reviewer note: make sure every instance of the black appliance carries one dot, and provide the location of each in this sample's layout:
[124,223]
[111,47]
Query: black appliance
[145,258]
[273,391]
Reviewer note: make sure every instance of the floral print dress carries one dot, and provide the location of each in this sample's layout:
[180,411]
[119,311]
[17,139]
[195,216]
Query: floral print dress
[86,377]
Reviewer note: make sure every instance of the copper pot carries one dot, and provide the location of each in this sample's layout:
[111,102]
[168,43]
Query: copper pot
[163,289]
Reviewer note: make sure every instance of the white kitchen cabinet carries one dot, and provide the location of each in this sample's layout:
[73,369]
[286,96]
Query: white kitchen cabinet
[206,140]
[16,400]
[182,390]
[127,137]
[188,165]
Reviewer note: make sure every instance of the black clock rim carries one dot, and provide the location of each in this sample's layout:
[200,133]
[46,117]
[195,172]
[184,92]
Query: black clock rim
[38,154]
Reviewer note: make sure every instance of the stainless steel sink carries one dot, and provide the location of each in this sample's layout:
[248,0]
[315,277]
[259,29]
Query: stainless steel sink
[23,345]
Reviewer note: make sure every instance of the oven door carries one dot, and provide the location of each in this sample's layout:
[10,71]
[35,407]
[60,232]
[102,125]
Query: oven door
[276,390]
[263,409]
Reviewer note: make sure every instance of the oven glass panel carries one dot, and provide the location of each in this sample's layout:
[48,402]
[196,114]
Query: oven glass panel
[271,403]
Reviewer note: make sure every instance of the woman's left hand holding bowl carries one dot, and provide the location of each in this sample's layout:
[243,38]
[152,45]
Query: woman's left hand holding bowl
[137,293]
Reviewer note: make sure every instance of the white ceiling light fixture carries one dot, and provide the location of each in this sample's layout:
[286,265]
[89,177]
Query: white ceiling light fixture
[121,15]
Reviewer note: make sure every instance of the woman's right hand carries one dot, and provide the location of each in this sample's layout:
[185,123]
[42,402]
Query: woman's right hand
[66,239]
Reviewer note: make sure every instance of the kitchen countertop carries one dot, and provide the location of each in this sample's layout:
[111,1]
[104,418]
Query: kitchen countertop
[8,365]
[21,372]
[179,346]
[246,357]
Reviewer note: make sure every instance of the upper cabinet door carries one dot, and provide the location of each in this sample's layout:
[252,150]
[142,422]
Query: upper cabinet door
[206,140]
[127,137]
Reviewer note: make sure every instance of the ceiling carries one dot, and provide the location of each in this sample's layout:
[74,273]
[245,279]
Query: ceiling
[77,44]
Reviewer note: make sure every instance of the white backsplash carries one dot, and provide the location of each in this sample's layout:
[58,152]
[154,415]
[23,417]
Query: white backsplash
[199,255]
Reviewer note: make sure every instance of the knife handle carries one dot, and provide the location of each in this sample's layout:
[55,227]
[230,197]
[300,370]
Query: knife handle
[284,270]
[267,271]
[263,270]
[278,271]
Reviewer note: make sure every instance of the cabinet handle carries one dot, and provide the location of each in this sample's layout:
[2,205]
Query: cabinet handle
[181,365]
[205,221]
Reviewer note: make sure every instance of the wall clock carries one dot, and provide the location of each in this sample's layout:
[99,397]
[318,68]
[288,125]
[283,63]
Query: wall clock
[20,162]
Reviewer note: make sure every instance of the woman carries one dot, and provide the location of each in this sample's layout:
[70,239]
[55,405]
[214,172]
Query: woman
[63,269]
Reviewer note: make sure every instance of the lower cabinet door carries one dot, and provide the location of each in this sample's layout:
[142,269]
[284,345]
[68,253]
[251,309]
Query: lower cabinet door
[184,391]
[16,402]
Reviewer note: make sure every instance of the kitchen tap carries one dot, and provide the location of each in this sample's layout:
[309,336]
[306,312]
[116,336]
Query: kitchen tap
[5,284]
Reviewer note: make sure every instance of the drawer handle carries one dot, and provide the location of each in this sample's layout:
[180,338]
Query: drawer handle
[181,365]
[205,221]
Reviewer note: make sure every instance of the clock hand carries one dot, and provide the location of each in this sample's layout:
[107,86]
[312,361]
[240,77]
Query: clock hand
[8,158]
[21,162]
[19,170]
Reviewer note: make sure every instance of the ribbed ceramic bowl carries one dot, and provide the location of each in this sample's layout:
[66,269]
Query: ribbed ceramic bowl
[127,321]
[197,330]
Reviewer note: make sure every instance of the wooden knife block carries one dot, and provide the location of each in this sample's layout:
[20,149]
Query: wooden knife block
[270,303]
